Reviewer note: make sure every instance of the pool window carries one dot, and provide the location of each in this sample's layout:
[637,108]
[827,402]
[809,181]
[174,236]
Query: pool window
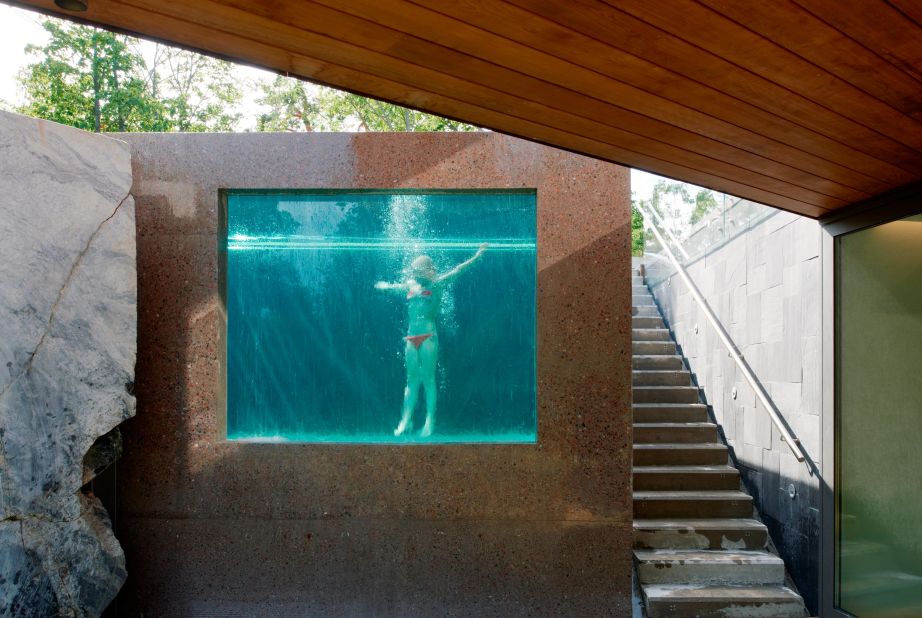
[381,317]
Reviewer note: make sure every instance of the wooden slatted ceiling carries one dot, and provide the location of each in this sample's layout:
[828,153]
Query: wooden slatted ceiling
[807,105]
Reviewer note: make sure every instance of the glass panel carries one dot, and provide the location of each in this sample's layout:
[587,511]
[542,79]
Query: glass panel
[376,317]
[693,220]
[879,445]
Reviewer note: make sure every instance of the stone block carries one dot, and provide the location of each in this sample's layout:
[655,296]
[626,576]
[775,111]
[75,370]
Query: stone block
[753,319]
[772,315]
[758,428]
[812,296]
[811,401]
[807,239]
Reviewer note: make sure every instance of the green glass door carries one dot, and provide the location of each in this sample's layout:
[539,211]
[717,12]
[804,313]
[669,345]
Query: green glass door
[878,489]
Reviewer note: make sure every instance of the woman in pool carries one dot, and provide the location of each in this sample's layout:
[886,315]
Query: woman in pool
[423,287]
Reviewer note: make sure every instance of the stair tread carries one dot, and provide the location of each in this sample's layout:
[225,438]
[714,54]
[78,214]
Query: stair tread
[679,469]
[661,371]
[680,445]
[698,592]
[715,523]
[708,556]
[692,494]
[666,425]
[647,404]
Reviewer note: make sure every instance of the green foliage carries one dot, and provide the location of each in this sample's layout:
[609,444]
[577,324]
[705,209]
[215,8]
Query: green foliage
[295,105]
[199,93]
[96,80]
[99,81]
[637,231]
[86,78]
[704,203]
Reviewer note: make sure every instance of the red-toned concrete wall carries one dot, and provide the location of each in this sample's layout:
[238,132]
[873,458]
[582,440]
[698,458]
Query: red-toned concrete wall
[212,527]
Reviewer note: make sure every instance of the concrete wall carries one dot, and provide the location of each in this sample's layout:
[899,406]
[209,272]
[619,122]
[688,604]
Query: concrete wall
[765,287]
[212,527]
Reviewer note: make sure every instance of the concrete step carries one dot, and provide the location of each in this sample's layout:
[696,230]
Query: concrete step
[693,601]
[644,310]
[708,566]
[649,348]
[647,321]
[691,504]
[640,289]
[650,334]
[709,454]
[636,280]
[670,413]
[685,478]
[642,299]
[657,362]
[666,394]
[674,377]
[722,533]
[675,433]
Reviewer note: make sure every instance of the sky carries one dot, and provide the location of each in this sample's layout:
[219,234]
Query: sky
[19,28]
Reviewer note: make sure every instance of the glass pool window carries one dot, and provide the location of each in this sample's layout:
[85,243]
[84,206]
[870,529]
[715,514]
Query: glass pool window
[381,317]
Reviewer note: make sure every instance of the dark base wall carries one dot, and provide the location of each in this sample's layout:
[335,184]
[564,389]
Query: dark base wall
[212,527]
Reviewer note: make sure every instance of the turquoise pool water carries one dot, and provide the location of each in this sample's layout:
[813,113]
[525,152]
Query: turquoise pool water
[316,353]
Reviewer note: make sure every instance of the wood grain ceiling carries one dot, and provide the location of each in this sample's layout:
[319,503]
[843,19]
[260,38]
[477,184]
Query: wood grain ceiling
[807,105]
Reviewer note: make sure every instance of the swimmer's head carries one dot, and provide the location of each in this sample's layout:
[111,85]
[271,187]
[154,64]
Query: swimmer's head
[423,268]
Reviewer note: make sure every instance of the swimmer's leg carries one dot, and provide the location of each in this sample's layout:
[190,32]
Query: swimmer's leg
[428,361]
[411,392]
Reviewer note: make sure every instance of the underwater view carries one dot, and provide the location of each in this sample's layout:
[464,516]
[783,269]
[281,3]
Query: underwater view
[381,317]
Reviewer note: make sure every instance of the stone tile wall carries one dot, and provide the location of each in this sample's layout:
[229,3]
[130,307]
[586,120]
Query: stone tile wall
[765,287]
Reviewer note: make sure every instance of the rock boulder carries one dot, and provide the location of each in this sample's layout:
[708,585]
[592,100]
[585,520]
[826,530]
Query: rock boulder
[68,297]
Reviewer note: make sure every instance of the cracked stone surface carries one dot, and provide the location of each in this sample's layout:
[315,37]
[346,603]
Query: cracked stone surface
[68,297]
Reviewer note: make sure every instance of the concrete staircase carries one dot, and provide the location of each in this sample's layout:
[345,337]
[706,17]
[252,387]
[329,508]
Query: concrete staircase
[697,547]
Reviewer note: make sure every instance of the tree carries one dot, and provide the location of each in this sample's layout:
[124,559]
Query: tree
[198,92]
[295,105]
[87,78]
[637,230]
[704,203]
[99,81]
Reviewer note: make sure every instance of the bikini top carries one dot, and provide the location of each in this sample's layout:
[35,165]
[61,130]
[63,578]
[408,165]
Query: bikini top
[424,292]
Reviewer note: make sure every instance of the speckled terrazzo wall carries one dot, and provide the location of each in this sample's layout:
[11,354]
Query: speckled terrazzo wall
[221,528]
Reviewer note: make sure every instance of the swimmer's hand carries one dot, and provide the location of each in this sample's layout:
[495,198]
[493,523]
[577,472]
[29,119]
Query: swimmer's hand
[382,285]
[482,248]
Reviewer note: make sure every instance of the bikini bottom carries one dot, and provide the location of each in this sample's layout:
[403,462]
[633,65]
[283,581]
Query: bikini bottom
[417,340]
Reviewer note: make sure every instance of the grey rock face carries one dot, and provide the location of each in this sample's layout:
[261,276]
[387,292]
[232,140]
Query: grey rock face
[68,295]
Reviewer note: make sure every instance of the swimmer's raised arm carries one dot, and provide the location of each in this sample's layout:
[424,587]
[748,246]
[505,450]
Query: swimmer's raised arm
[460,267]
[391,287]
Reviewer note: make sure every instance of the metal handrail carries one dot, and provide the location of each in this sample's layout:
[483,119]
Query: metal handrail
[786,435]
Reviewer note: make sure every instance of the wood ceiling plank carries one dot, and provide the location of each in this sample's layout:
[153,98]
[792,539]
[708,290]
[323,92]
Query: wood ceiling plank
[409,19]
[321,45]
[788,25]
[878,26]
[746,101]
[196,36]
[447,61]
[709,30]
[910,8]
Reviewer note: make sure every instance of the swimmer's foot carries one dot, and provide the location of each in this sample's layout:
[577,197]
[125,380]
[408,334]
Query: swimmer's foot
[403,427]
[427,429]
